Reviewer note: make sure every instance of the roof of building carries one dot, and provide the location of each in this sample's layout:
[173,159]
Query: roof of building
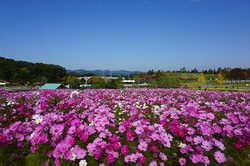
[52,86]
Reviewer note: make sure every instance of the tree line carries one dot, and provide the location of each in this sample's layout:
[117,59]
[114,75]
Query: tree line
[23,72]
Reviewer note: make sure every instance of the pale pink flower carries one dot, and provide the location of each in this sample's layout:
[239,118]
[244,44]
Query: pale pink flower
[143,146]
[219,157]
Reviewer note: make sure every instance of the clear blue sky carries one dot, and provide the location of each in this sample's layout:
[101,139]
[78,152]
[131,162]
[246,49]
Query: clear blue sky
[127,34]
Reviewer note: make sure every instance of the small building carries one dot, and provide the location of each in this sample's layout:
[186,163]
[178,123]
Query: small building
[85,85]
[52,86]
[2,84]
[128,83]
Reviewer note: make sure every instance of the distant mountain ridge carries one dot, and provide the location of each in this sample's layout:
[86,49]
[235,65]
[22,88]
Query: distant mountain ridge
[105,72]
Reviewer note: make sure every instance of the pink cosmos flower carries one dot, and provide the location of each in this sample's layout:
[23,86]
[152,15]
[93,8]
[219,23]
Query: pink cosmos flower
[219,157]
[237,132]
[142,159]
[121,128]
[129,135]
[205,160]
[195,158]
[84,137]
[127,158]
[124,150]
[139,130]
[217,129]
[63,146]
[103,144]
[182,161]
[57,129]
[207,131]
[113,138]
[44,138]
[174,128]
[71,130]
[57,162]
[239,145]
[153,163]
[45,164]
[154,136]
[206,145]
[116,145]
[143,146]
[198,140]
[181,133]
[134,157]
[80,153]
[189,138]
[163,156]
[67,155]
[70,140]
[33,148]
[56,153]
[219,144]
[153,148]
[91,147]
[110,158]
[98,154]
[3,139]
[228,128]
[35,140]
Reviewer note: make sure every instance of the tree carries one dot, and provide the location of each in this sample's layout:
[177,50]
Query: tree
[23,72]
[43,80]
[194,71]
[236,74]
[97,82]
[210,71]
[73,81]
[151,72]
[169,82]
[220,78]
[137,79]
[183,70]
[201,78]
[152,83]
[115,83]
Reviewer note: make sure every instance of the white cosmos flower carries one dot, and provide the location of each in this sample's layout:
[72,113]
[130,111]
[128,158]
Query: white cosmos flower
[37,118]
[83,163]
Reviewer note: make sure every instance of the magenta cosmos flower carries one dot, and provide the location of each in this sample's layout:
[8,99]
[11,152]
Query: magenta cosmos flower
[129,135]
[124,150]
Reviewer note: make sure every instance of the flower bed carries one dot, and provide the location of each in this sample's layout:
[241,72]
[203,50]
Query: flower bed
[125,127]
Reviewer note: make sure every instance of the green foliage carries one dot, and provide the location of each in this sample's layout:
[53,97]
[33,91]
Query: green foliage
[73,81]
[32,160]
[151,72]
[137,79]
[168,82]
[153,83]
[97,82]
[43,80]
[114,83]
[11,155]
[23,72]
[183,70]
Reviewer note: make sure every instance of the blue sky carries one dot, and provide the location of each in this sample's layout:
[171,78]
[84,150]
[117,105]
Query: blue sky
[127,34]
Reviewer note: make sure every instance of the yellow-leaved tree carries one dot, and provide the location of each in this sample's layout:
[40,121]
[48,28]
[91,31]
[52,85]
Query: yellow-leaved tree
[201,78]
[220,78]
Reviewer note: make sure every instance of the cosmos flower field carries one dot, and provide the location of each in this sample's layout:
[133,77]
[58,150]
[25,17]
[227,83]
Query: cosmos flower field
[125,127]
